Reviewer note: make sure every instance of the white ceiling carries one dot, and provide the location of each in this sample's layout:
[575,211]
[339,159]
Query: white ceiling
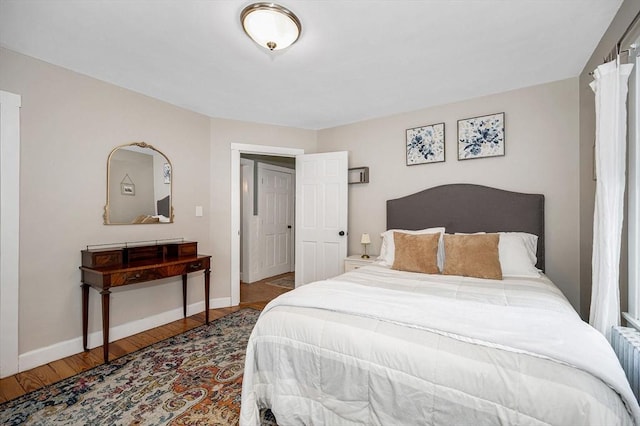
[355,60]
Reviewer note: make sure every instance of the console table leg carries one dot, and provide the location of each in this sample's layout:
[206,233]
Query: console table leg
[105,324]
[85,314]
[184,295]
[207,279]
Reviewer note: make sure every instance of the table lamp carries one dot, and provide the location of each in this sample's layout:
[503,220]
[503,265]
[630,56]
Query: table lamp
[365,241]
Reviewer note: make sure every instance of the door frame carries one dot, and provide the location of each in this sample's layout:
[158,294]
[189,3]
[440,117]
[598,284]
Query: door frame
[10,104]
[246,178]
[236,150]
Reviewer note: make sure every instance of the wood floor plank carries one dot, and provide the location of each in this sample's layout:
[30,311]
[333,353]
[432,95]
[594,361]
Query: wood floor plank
[10,388]
[160,333]
[144,339]
[225,311]
[134,343]
[95,356]
[46,374]
[255,296]
[35,378]
[214,315]
[188,325]
[255,305]
[118,349]
[79,362]
[62,368]
[174,328]
[192,323]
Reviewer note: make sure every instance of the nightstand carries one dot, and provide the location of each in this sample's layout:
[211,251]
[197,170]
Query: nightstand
[355,261]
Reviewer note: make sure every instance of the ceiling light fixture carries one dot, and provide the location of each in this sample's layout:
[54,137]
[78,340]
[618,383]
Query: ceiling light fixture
[270,25]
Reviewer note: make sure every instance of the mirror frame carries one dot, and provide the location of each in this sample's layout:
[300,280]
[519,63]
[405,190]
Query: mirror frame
[105,215]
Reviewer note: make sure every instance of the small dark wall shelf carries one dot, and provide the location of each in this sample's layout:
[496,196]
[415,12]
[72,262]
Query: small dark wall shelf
[359,175]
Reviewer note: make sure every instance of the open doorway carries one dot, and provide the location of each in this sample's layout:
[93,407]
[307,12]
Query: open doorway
[237,206]
[321,213]
[266,226]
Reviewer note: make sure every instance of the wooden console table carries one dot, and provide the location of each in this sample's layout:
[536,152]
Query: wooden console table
[121,266]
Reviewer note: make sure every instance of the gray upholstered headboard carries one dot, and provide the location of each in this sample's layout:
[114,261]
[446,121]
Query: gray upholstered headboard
[470,208]
[164,206]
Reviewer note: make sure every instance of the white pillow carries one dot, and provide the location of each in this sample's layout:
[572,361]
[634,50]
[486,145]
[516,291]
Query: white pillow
[517,252]
[387,250]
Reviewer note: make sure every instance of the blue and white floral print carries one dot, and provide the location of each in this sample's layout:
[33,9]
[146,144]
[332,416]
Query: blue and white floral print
[481,137]
[425,144]
[166,172]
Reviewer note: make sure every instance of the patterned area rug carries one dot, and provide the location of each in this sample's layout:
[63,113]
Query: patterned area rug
[286,282]
[194,378]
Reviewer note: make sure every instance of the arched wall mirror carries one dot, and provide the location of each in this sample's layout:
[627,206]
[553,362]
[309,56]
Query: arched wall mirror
[139,182]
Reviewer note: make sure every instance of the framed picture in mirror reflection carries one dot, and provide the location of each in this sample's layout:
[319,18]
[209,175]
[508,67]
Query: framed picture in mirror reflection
[166,170]
[127,189]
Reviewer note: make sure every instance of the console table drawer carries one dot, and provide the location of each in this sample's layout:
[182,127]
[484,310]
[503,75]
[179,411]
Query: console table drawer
[197,265]
[124,278]
[102,259]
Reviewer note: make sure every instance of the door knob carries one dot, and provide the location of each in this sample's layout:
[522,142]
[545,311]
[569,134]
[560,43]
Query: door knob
[341,233]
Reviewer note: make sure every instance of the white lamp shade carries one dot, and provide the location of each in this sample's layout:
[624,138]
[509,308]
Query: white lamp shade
[271,26]
[365,239]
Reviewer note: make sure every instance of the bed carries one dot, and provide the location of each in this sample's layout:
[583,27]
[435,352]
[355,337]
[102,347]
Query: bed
[382,346]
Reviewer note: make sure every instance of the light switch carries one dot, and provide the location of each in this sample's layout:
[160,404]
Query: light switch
[198,211]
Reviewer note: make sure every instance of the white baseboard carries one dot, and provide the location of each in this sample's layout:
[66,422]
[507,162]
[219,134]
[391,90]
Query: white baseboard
[41,356]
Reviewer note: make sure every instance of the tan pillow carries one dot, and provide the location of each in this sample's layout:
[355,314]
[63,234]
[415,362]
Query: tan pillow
[472,256]
[416,253]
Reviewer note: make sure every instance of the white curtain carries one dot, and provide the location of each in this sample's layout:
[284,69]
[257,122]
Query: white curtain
[610,87]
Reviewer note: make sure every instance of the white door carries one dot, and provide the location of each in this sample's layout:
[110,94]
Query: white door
[275,209]
[321,216]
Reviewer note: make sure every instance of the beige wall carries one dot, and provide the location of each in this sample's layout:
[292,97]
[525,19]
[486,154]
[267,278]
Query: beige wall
[628,10]
[70,123]
[541,157]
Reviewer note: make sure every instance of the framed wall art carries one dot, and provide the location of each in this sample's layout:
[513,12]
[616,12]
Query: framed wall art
[481,137]
[425,144]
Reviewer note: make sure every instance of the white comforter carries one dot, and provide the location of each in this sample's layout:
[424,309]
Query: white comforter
[377,346]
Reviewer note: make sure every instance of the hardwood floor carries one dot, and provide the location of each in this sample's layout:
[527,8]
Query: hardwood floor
[255,295]
[261,291]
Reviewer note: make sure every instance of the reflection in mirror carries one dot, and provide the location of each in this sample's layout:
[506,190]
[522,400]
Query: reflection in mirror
[138,186]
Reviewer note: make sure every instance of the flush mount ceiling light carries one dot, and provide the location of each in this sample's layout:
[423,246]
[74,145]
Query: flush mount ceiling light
[270,25]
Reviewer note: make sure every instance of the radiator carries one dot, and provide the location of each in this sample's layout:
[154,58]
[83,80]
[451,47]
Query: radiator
[626,344]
